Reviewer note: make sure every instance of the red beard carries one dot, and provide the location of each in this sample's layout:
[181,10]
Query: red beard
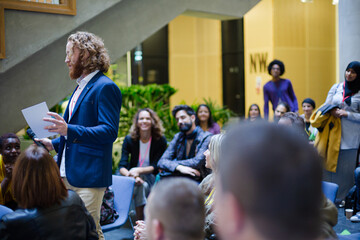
[76,70]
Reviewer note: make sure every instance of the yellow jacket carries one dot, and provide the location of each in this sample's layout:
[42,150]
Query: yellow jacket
[8,195]
[328,139]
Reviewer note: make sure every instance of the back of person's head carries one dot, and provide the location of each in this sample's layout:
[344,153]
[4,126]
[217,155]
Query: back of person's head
[92,51]
[273,176]
[279,63]
[186,108]
[175,211]
[36,179]
[294,120]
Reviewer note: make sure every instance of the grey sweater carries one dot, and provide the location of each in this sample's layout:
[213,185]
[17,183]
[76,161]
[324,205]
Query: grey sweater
[350,126]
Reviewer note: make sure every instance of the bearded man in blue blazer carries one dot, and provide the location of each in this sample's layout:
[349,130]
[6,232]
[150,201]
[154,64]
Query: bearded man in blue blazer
[89,125]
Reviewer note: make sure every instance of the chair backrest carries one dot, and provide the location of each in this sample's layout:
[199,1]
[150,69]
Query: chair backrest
[4,210]
[123,188]
[330,190]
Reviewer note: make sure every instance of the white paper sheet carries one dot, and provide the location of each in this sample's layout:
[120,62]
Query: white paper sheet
[34,117]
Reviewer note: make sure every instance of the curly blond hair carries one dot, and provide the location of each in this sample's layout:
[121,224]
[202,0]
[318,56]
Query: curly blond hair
[88,43]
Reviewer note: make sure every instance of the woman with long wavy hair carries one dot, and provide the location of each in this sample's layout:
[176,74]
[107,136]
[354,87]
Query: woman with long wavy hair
[146,144]
[207,185]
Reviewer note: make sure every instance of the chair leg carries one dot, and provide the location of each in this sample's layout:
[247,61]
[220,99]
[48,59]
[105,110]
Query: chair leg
[131,222]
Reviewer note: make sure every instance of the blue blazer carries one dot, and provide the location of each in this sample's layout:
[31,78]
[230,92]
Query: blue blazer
[92,129]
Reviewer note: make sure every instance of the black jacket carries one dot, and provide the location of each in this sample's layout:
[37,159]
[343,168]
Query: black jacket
[131,147]
[68,220]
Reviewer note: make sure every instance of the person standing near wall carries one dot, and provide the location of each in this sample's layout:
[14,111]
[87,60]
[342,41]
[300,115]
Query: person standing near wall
[90,124]
[278,89]
[346,97]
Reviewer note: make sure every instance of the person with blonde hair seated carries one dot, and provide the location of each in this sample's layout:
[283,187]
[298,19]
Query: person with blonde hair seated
[207,185]
[49,211]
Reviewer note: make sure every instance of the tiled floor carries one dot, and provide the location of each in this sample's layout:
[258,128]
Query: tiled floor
[344,224]
[123,233]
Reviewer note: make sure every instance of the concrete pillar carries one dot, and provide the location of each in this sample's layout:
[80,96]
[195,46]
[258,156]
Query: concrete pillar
[349,34]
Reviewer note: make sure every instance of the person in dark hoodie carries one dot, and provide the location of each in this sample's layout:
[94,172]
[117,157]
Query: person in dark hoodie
[346,97]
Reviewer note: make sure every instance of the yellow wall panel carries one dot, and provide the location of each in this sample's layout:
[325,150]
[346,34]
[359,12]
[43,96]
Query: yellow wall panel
[182,29]
[289,19]
[183,67]
[322,74]
[258,26]
[304,38]
[195,63]
[258,47]
[321,24]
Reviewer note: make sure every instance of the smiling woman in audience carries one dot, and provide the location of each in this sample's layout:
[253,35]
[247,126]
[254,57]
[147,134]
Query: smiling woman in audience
[146,144]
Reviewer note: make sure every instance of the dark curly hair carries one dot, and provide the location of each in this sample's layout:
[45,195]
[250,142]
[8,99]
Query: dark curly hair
[98,58]
[210,121]
[157,129]
[6,136]
[277,62]
[186,108]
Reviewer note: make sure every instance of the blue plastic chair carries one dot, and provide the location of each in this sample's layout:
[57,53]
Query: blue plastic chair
[4,210]
[123,188]
[330,190]
[354,236]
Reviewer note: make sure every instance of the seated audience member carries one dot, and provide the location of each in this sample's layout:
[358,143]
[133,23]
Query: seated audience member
[175,211]
[308,106]
[9,150]
[185,154]
[274,193]
[146,144]
[205,121]
[207,185]
[280,110]
[254,113]
[49,210]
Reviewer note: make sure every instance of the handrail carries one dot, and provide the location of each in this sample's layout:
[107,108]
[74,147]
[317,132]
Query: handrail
[68,7]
